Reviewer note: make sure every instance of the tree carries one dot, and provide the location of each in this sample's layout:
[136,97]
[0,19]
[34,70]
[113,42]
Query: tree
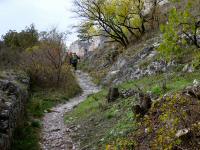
[14,43]
[45,62]
[115,19]
[21,40]
[86,31]
[182,29]
[11,39]
[28,37]
[54,48]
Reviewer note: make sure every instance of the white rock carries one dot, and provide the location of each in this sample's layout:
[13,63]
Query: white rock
[195,82]
[114,72]
[182,132]
[156,44]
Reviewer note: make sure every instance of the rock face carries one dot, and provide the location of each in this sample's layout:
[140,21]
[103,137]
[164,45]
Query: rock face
[148,4]
[79,47]
[130,69]
[82,48]
[13,97]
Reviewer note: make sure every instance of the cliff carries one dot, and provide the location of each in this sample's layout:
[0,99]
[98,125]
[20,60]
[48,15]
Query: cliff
[82,48]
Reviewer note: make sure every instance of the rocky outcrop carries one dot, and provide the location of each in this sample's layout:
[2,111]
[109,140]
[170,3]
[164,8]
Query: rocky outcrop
[79,47]
[13,97]
[130,69]
[148,4]
[82,48]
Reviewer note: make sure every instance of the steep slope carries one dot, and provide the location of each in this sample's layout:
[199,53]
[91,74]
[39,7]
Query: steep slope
[140,73]
[157,106]
[111,64]
[99,124]
[172,120]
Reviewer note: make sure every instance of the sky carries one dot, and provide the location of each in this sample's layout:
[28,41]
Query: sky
[44,14]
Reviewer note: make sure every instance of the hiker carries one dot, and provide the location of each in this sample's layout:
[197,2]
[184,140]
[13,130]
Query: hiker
[74,60]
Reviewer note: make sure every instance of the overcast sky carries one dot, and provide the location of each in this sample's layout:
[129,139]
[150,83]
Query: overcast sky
[45,14]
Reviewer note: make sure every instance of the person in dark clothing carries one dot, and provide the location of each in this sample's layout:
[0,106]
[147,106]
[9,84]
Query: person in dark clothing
[74,60]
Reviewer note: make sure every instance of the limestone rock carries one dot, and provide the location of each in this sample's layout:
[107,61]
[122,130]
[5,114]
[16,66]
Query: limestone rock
[182,132]
[188,68]
[125,69]
[127,93]
[193,91]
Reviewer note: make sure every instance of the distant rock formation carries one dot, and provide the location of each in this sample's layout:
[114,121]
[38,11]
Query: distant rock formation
[79,47]
[82,48]
[149,3]
[13,97]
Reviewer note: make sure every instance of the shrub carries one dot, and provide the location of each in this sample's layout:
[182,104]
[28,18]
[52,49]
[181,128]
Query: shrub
[46,64]
[14,43]
[181,31]
[9,58]
[157,90]
[36,123]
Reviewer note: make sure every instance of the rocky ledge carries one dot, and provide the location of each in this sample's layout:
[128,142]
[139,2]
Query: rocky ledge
[14,88]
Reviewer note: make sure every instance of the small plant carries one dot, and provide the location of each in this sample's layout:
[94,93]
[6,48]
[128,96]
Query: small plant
[196,60]
[25,137]
[36,124]
[157,90]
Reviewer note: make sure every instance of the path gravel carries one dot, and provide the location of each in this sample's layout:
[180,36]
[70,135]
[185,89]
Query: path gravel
[55,135]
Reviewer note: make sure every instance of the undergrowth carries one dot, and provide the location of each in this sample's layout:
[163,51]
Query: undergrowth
[106,124]
[27,136]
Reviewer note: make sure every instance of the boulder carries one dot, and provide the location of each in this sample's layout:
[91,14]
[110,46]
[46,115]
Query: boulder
[188,68]
[193,91]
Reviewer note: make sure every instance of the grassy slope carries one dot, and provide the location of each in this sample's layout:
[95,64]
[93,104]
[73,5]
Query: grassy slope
[101,123]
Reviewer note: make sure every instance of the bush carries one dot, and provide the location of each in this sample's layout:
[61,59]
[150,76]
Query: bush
[14,43]
[36,123]
[46,64]
[9,58]
[181,31]
[157,90]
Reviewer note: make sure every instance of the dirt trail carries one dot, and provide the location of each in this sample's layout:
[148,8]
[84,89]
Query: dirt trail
[55,135]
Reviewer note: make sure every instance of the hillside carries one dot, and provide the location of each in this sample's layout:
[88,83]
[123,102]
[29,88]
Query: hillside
[157,106]
[100,124]
[137,85]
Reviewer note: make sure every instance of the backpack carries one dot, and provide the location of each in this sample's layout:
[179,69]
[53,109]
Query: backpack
[74,59]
